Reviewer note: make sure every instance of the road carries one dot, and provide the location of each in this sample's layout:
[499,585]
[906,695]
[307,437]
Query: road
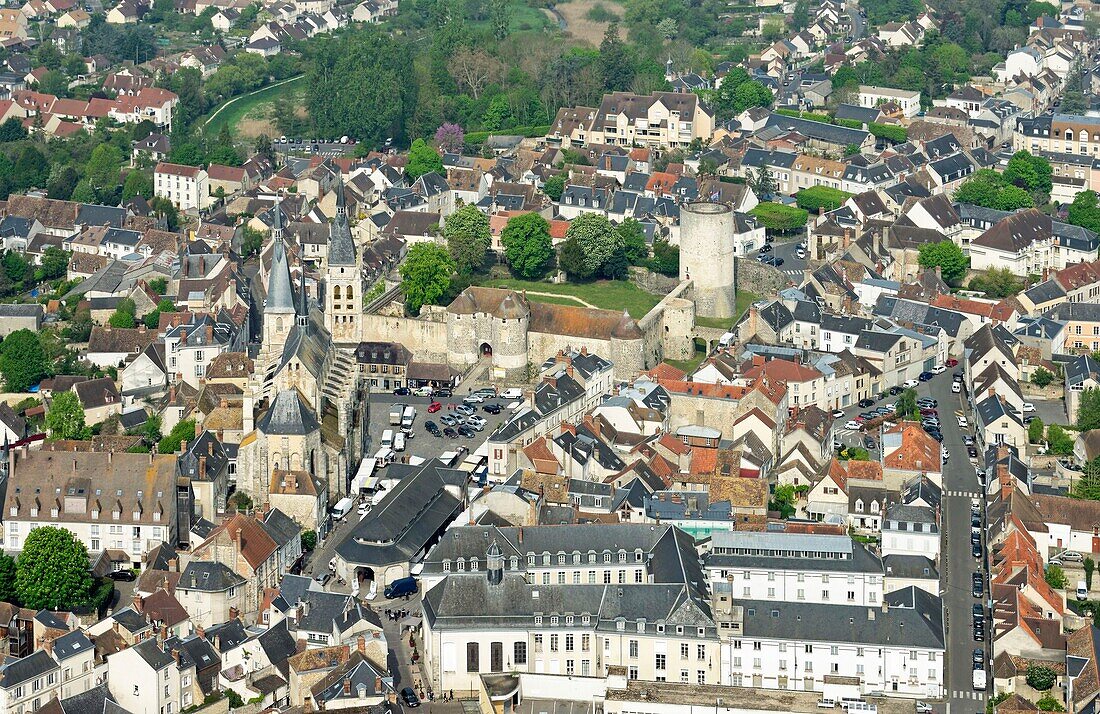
[793,266]
[858,23]
[957,565]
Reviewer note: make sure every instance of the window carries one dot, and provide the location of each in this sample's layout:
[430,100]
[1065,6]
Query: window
[553,643]
[660,661]
[569,643]
[632,673]
[496,656]
[700,652]
[632,648]
[472,657]
[683,650]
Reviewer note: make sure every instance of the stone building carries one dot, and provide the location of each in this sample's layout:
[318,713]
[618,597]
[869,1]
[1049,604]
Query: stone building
[708,256]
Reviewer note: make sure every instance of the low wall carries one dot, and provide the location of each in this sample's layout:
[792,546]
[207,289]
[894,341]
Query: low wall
[764,280]
[653,282]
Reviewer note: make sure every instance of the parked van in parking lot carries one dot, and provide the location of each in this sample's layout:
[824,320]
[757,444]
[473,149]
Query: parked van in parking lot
[387,439]
[400,588]
[1082,590]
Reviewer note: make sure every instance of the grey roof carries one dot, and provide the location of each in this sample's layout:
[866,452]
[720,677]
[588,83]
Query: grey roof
[289,414]
[281,527]
[208,577]
[910,566]
[196,650]
[877,341]
[903,517]
[1075,311]
[15,671]
[227,635]
[97,700]
[207,448]
[1078,369]
[991,409]
[408,518]
[278,643]
[154,656]
[341,246]
[857,113]
[914,619]
[89,214]
[16,309]
[280,295]
[71,644]
[1045,291]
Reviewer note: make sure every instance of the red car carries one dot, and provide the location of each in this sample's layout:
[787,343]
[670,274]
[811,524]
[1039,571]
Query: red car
[434,407]
[952,362]
[929,412]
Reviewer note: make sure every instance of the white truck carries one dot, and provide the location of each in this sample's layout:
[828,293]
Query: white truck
[396,412]
[979,679]
[408,417]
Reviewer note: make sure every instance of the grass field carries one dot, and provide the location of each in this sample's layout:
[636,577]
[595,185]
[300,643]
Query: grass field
[744,299]
[523,18]
[689,365]
[605,294]
[249,115]
[577,23]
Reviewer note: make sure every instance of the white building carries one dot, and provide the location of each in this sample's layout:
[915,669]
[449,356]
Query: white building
[145,679]
[911,530]
[897,649]
[795,567]
[185,186]
[189,349]
[871,97]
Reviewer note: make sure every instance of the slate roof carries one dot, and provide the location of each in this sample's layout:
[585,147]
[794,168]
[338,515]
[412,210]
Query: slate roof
[289,414]
[207,576]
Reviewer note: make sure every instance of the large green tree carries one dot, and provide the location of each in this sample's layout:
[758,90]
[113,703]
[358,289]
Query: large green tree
[817,197]
[988,188]
[777,217]
[597,239]
[527,245]
[632,234]
[52,570]
[571,259]
[7,578]
[103,169]
[1029,172]
[425,275]
[65,418]
[1088,410]
[181,432]
[22,360]
[1085,212]
[423,159]
[948,257]
[467,234]
[615,65]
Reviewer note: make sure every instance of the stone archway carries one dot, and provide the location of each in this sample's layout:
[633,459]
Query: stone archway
[486,350]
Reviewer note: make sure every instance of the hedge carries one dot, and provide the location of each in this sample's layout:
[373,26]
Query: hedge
[809,116]
[778,217]
[475,138]
[817,197]
[896,134]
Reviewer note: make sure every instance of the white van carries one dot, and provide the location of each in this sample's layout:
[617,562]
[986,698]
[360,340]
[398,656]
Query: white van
[512,393]
[399,442]
[1082,590]
[383,456]
[408,418]
[387,439]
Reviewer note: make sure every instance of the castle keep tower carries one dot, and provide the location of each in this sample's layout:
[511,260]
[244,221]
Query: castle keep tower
[707,257]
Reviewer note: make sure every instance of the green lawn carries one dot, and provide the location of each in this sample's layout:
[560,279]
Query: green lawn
[606,294]
[744,299]
[238,107]
[718,323]
[523,18]
[688,365]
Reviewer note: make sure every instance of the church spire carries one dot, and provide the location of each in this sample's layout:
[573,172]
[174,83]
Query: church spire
[280,296]
[341,206]
[303,311]
[277,220]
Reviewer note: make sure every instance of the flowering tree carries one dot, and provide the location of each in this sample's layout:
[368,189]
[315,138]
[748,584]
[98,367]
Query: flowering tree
[450,138]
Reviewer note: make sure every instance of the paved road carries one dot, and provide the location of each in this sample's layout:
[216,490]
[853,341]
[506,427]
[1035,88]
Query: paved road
[858,23]
[957,563]
[793,266]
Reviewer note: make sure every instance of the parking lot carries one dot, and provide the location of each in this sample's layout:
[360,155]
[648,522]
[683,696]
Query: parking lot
[422,443]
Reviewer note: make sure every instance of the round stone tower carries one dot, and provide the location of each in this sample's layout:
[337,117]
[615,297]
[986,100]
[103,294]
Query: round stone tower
[510,338]
[707,256]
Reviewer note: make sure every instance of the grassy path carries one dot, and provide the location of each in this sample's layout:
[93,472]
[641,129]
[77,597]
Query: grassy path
[236,108]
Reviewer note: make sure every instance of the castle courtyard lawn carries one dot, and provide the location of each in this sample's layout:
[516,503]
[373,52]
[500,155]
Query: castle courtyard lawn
[606,294]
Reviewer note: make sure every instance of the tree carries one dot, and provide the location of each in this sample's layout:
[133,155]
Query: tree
[1088,411]
[948,257]
[1073,102]
[572,260]
[83,192]
[450,138]
[309,540]
[667,28]
[1055,577]
[554,187]
[32,169]
[751,94]
[596,237]
[52,570]
[527,245]
[616,69]
[7,578]
[1040,678]
[251,241]
[423,159]
[425,275]
[666,257]
[467,234]
[777,217]
[1030,172]
[1042,377]
[1089,566]
[103,169]
[22,360]
[988,188]
[137,183]
[122,319]
[181,432]
[16,266]
[1084,211]
[906,407]
[783,500]
[1058,441]
[997,283]
[65,419]
[762,183]
[1088,484]
[12,130]
[633,239]
[1035,431]
[800,18]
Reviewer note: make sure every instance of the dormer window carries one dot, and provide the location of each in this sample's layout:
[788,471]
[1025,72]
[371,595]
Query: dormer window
[95,513]
[34,511]
[53,512]
[14,510]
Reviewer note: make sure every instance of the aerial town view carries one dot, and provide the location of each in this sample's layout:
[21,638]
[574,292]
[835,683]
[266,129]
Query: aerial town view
[549,356]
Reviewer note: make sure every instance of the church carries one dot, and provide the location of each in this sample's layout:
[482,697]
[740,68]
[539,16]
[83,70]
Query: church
[303,405]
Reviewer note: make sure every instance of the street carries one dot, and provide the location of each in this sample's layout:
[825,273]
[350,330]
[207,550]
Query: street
[957,564]
[793,266]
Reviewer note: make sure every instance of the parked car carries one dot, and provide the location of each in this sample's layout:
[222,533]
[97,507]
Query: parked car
[409,698]
[937,435]
[869,443]
[450,433]
[925,376]
[939,369]
[838,413]
[443,392]
[927,402]
[910,383]
[448,420]
[464,409]
[402,392]
[474,398]
[956,387]
[895,391]
[431,427]
[477,422]
[952,362]
[864,403]
[766,248]
[434,407]
[972,452]
[977,550]
[928,411]
[465,432]
[1028,407]
[492,408]
[853,424]
[126,575]
[963,423]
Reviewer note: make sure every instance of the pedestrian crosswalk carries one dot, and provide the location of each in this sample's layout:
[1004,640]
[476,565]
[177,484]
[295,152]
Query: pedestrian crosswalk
[968,694]
[962,494]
